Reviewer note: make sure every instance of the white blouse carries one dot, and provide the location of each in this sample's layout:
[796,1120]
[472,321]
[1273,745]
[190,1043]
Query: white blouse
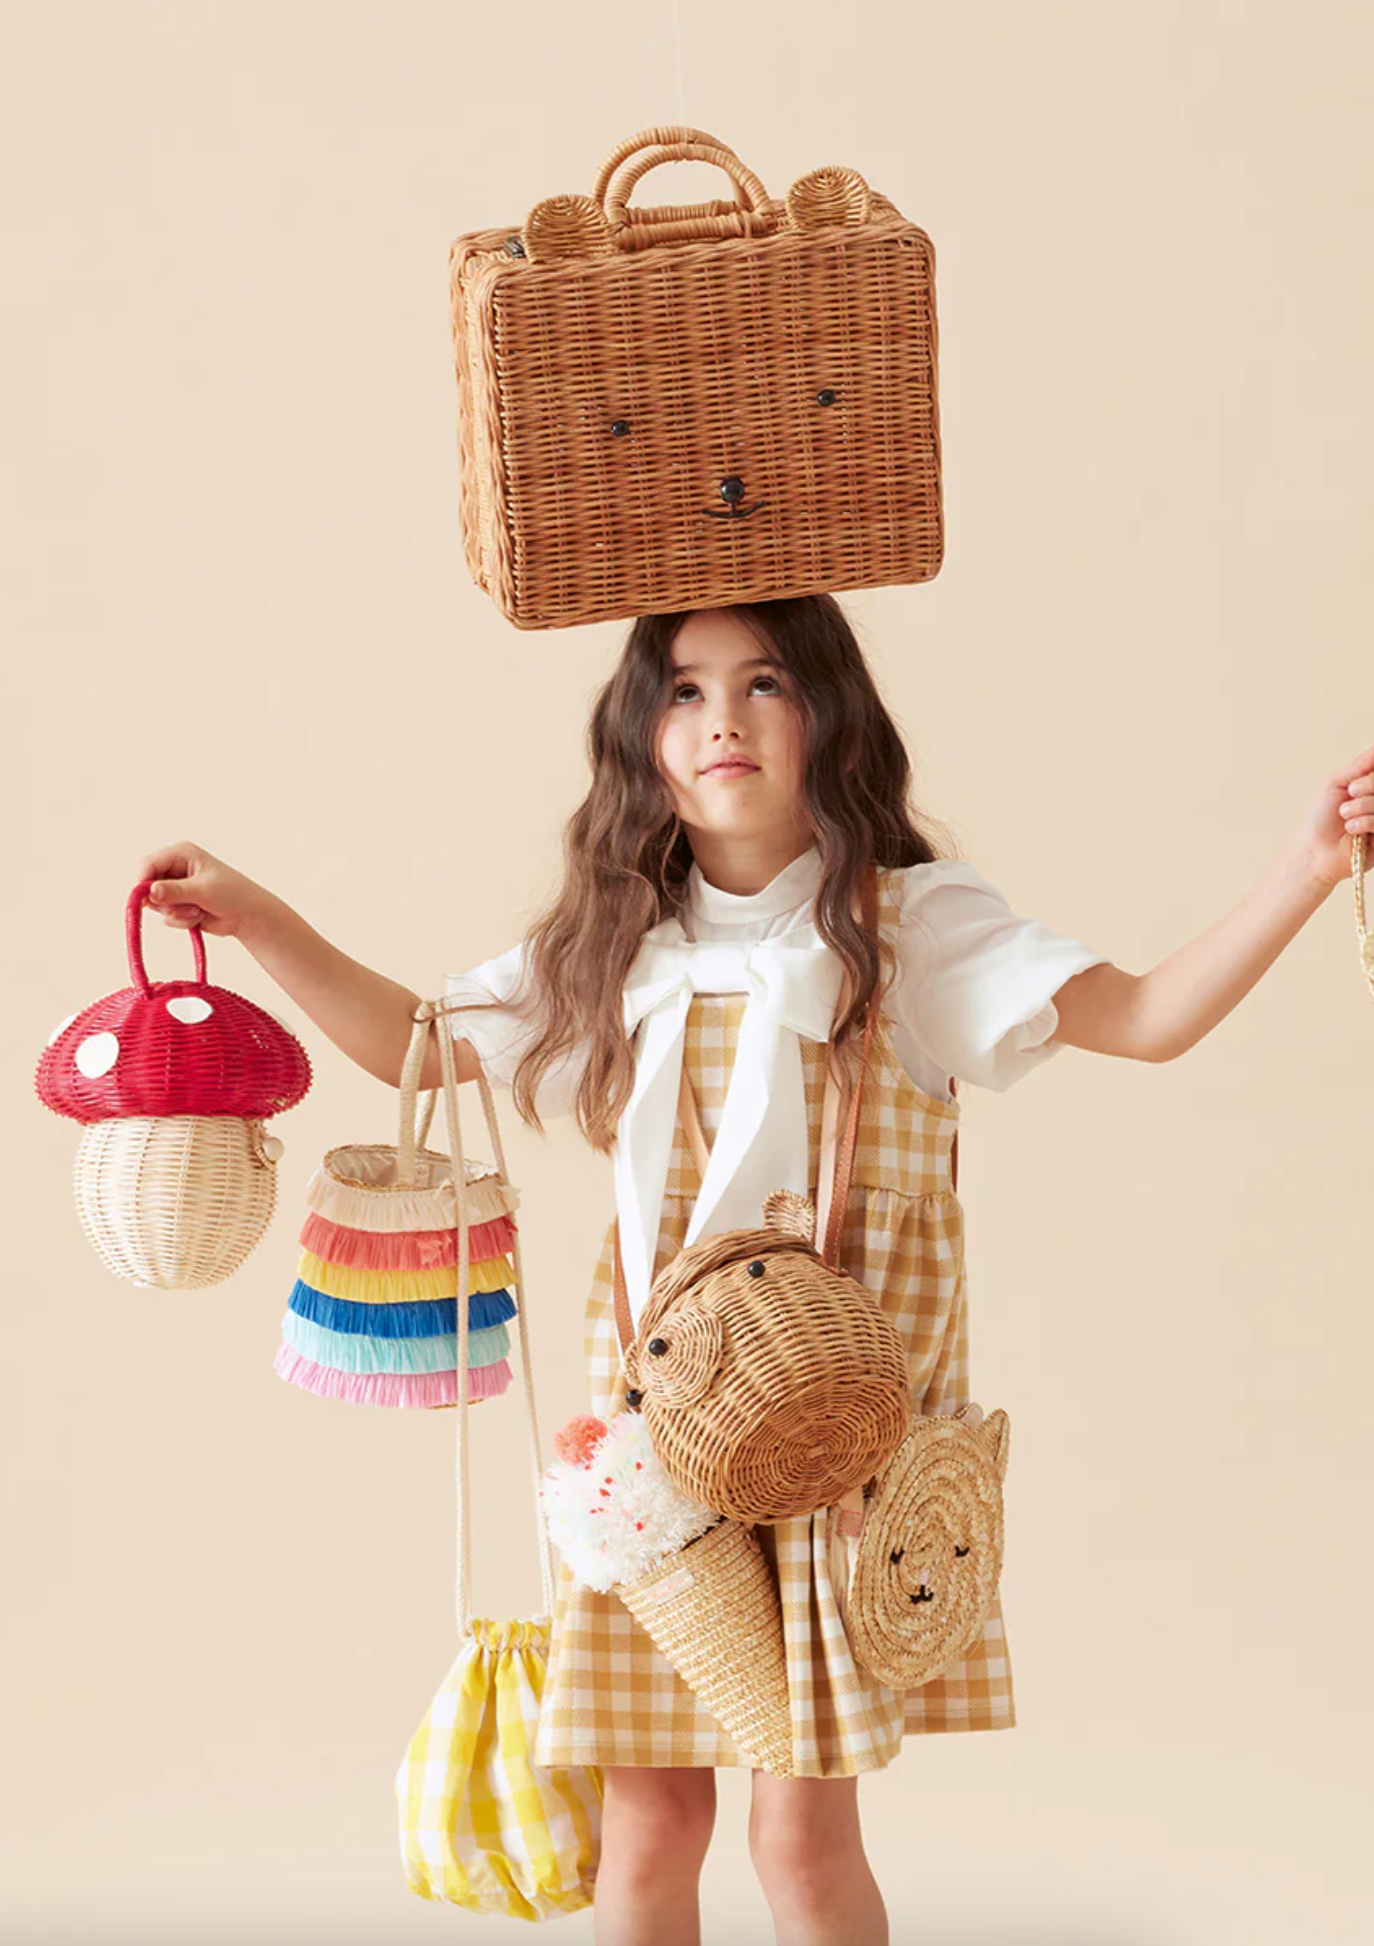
[973,995]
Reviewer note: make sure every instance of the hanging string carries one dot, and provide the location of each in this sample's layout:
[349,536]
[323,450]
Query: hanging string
[677,62]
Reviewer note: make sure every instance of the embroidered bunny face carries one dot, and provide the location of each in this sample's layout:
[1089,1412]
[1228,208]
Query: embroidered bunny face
[769,1381]
[930,1552]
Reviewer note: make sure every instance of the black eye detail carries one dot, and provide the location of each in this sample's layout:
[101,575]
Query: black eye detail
[620,427]
[960,1552]
[634,1397]
[756,1268]
[826,397]
[658,1346]
[896,1555]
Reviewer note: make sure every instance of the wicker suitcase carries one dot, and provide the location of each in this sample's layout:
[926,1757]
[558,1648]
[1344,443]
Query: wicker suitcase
[683,406]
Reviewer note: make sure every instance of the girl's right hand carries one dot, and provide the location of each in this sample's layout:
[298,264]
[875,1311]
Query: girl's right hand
[193,888]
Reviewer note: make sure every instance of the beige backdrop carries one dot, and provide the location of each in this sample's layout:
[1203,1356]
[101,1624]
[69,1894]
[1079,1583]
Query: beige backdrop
[239,614]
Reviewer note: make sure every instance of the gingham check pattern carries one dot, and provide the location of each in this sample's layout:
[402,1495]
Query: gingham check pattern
[611,1697]
[480,1827]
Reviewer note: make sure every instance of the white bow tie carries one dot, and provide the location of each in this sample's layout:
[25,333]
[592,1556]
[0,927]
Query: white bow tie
[792,981]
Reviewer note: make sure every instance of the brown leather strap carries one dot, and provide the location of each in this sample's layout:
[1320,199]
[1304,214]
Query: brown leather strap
[624,1324]
[954,1145]
[844,1155]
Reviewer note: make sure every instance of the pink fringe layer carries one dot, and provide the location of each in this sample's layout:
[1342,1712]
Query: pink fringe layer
[388,1388]
[402,1249]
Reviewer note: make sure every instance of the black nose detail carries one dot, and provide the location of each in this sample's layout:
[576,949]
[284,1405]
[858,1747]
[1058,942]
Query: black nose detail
[732,489]
[634,1397]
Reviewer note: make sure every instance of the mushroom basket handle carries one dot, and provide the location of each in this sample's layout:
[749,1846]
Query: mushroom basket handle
[133,934]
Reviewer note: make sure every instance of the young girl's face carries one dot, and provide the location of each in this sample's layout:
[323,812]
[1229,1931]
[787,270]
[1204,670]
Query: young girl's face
[731,742]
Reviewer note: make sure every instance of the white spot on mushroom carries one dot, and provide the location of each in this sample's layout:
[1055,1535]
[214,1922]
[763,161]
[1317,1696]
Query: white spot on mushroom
[188,1007]
[61,1028]
[97,1054]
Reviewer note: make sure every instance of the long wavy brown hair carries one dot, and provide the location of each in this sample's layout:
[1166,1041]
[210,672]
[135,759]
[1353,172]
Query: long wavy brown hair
[627,856]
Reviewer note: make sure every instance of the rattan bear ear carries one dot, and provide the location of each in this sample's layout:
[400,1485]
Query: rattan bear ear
[830,196]
[995,1433]
[678,1364]
[566,226]
[790,1213]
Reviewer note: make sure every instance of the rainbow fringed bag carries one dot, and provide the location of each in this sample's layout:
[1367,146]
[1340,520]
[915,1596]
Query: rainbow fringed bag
[372,1316]
[481,1826]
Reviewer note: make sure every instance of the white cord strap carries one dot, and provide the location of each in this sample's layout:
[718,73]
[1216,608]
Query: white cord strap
[428,1012]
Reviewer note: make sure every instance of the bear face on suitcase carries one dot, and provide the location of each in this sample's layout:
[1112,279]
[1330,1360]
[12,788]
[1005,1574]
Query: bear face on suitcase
[771,1383]
[674,408]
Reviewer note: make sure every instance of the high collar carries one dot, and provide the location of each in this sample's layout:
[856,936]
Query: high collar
[788,891]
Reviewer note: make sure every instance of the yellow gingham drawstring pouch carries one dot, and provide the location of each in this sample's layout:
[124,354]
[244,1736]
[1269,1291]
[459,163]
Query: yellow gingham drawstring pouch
[481,1826]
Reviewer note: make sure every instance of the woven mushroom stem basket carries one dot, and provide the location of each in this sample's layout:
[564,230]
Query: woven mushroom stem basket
[688,405]
[172,1082]
[772,1384]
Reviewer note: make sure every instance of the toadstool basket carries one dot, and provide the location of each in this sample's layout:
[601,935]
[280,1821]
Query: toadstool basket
[175,1177]
[373,1314]
[683,406]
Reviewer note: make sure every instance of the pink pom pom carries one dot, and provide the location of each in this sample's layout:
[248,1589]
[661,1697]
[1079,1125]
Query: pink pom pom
[576,1443]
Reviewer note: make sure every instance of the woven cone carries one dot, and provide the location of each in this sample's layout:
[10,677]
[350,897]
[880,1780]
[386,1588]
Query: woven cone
[713,1611]
[930,1553]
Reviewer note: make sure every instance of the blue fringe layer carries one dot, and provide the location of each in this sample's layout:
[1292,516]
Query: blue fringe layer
[431,1318]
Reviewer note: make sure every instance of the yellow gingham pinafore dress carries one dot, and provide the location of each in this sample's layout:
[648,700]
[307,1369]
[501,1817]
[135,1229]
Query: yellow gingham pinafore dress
[610,1696]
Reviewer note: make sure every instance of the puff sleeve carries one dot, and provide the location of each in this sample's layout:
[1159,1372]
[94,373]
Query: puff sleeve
[500,1033]
[975,982]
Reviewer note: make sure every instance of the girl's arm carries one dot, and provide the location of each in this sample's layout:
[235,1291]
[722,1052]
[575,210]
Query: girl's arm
[365,1014]
[1158,1015]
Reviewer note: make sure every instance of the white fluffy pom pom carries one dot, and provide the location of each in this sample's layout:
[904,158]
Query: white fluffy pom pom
[618,1515]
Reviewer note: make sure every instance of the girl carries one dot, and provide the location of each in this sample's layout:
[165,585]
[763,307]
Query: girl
[744,769]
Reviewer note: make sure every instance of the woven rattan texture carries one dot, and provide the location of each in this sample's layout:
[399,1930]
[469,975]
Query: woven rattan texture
[685,406]
[930,1554]
[713,1611]
[174,1202]
[772,1384]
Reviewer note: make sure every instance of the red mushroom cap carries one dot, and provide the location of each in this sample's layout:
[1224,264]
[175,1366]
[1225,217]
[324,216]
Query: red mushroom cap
[170,1047]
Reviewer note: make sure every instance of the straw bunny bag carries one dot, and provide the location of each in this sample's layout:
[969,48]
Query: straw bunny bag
[686,405]
[372,1317]
[480,1826]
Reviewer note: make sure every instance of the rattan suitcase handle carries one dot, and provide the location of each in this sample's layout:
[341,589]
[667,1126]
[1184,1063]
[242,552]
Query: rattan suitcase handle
[654,138]
[752,207]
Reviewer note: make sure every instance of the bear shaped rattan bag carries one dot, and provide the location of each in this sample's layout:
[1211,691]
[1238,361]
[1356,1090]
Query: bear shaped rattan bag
[773,1383]
[686,405]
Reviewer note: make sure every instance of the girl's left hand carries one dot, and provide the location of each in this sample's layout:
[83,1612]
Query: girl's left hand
[1342,807]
